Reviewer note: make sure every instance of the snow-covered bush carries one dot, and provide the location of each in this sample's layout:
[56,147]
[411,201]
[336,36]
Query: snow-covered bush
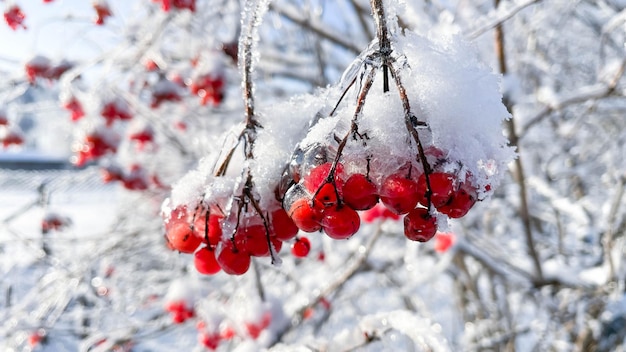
[232,130]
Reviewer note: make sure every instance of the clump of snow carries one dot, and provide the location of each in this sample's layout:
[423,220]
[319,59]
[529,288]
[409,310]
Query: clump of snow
[449,90]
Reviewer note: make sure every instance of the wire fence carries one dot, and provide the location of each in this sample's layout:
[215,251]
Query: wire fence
[63,181]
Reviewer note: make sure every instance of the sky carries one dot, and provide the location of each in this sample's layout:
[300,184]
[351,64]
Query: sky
[62,28]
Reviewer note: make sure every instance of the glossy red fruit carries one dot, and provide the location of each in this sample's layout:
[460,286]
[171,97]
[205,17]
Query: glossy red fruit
[460,203]
[253,239]
[307,215]
[419,225]
[327,195]
[205,262]
[234,261]
[359,192]
[318,175]
[441,185]
[284,228]
[181,237]
[214,232]
[399,194]
[301,247]
[341,223]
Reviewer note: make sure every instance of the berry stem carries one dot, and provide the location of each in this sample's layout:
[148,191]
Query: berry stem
[247,40]
[382,32]
[246,43]
[409,120]
[369,80]
[518,171]
[247,192]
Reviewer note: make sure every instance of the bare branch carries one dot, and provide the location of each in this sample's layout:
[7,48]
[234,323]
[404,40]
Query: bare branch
[293,14]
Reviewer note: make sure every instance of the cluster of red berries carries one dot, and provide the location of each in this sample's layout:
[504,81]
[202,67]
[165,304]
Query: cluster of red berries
[164,91]
[102,11]
[38,337]
[74,106]
[209,87]
[166,5]
[142,137]
[42,67]
[327,195]
[14,17]
[116,109]
[201,232]
[136,179]
[95,145]
[180,310]
[9,135]
[54,222]
[212,335]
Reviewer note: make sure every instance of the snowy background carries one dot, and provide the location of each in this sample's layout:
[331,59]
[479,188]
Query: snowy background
[538,264]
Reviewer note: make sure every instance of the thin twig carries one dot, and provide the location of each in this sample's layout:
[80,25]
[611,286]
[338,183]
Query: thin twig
[294,15]
[475,33]
[518,170]
[382,32]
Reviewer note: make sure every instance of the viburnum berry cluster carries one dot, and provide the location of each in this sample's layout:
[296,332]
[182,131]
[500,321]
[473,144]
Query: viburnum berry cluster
[167,5]
[388,135]
[54,222]
[10,134]
[103,11]
[14,17]
[42,67]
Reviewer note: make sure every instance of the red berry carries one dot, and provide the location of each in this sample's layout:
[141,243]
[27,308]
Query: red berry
[12,138]
[37,337]
[441,186]
[318,175]
[14,17]
[181,237]
[214,232]
[209,340]
[301,247]
[75,107]
[307,216]
[399,194]
[102,11]
[253,239]
[142,137]
[419,225]
[377,212]
[443,241]
[284,227]
[205,262]
[341,222]
[226,331]
[327,195]
[234,261]
[460,203]
[254,329]
[359,192]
